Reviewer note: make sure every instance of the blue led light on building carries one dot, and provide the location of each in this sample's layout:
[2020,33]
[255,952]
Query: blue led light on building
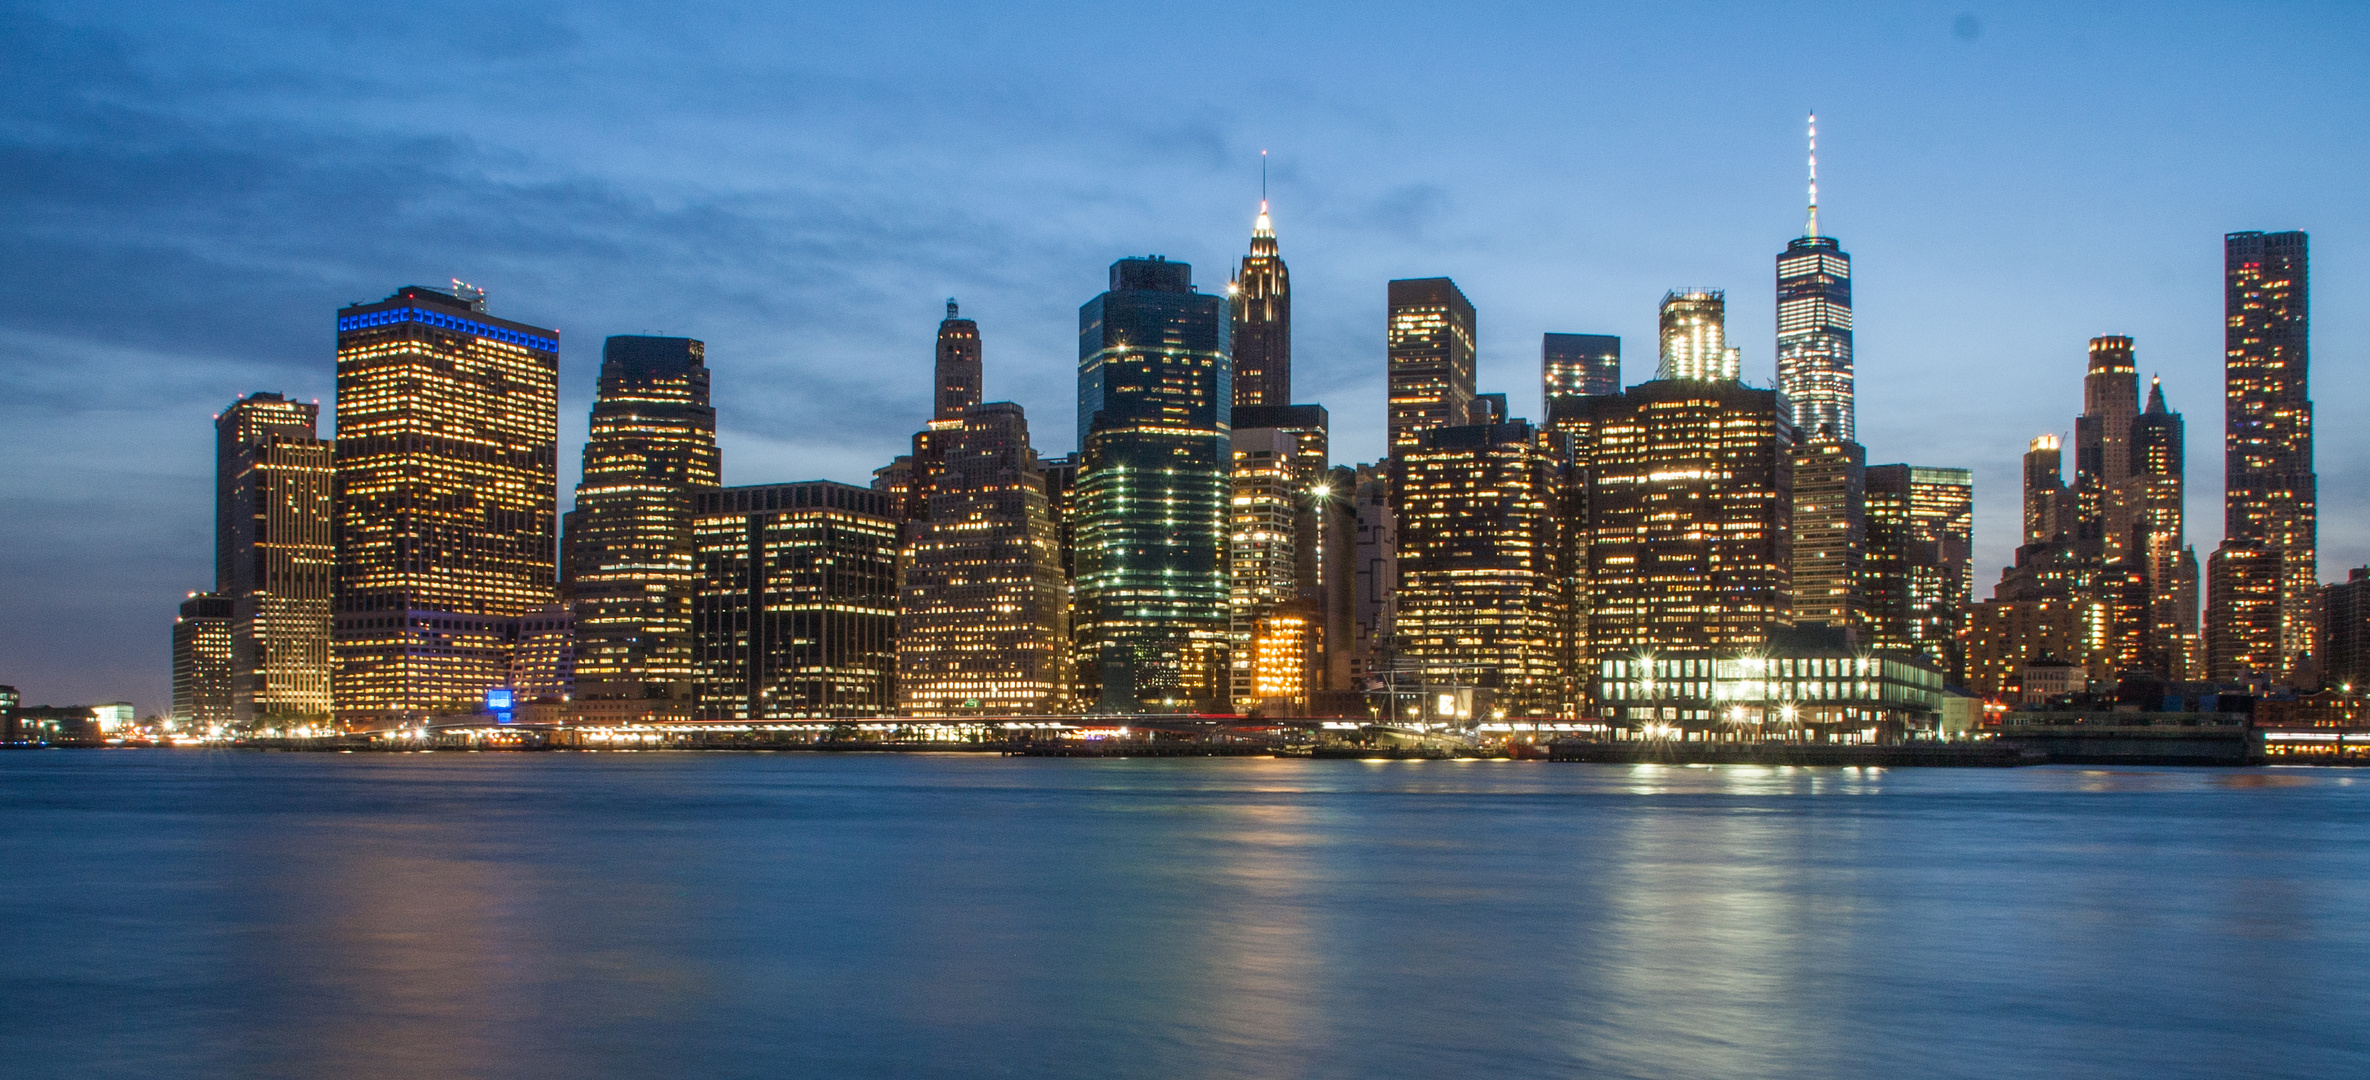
[467,326]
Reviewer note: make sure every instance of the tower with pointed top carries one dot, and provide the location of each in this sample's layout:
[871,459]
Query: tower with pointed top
[2158,541]
[1814,323]
[1260,303]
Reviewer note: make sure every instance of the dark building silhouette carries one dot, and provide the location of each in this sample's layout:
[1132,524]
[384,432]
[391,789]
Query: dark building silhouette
[795,613]
[2345,632]
[1430,343]
[958,368]
[628,570]
[1579,365]
[1151,587]
[2270,489]
[275,557]
[447,500]
[1259,302]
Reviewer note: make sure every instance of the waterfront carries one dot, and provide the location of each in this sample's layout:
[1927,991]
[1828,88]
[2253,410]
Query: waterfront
[216,913]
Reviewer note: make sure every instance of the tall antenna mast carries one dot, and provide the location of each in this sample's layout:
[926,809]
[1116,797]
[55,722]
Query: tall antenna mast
[1263,178]
[1812,230]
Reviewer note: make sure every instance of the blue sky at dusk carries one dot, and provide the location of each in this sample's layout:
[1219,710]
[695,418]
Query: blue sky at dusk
[188,191]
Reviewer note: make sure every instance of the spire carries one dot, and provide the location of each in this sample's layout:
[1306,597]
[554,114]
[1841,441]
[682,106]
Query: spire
[2156,396]
[1813,228]
[1263,228]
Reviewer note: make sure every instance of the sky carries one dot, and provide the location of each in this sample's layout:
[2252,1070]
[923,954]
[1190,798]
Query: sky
[189,191]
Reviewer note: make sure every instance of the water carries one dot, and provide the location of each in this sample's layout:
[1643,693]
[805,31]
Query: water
[214,914]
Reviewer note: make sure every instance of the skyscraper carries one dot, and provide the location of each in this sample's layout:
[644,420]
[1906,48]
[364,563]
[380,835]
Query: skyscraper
[1695,337]
[202,663]
[275,557]
[2159,542]
[983,610]
[2046,513]
[958,369]
[1259,303]
[1154,387]
[1919,571]
[795,613]
[2271,491]
[1263,560]
[1579,365]
[2345,632]
[2243,622]
[1830,532]
[629,545]
[2102,450]
[1480,598]
[447,499]
[1814,323]
[1431,355]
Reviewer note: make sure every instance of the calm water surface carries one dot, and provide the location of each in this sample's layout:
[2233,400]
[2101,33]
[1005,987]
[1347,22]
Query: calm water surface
[217,914]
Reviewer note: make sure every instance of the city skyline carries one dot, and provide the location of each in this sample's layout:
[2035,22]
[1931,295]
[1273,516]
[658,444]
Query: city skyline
[2156,281]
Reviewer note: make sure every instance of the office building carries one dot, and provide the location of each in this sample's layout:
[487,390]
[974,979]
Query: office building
[1579,365]
[1830,532]
[1695,338]
[446,497]
[202,659]
[543,658]
[794,613]
[2244,623]
[2048,507]
[1919,572]
[1808,685]
[983,609]
[1430,342]
[1688,510]
[1263,561]
[275,557]
[1154,486]
[628,571]
[1479,602]
[957,375]
[2270,489]
[1814,324]
[2103,497]
[1374,560]
[1259,305]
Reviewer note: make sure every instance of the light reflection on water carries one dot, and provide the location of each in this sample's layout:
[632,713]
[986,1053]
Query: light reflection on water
[724,915]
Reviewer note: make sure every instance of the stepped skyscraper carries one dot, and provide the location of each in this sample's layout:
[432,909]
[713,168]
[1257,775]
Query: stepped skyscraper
[1260,305]
[629,572]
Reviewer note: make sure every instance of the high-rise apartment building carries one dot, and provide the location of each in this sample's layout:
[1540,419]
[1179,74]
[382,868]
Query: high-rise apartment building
[628,572]
[1830,532]
[1259,304]
[275,557]
[2345,632]
[2103,499]
[1919,573]
[1431,354]
[983,608]
[202,663]
[1154,393]
[447,499]
[2270,488]
[1479,601]
[795,610]
[1695,338]
[1579,365]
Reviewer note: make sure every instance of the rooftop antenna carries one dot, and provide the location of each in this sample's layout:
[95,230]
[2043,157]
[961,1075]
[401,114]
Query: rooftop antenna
[1263,179]
[951,309]
[1813,228]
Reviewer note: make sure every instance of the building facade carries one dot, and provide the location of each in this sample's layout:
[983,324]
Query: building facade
[983,608]
[2345,632]
[794,613]
[1579,365]
[202,663]
[1814,335]
[446,500]
[275,557]
[1430,344]
[2271,492]
[2244,620]
[1919,573]
[1830,533]
[1154,486]
[1259,304]
[2159,541]
[1695,338]
[1479,599]
[2104,502]
[628,570]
